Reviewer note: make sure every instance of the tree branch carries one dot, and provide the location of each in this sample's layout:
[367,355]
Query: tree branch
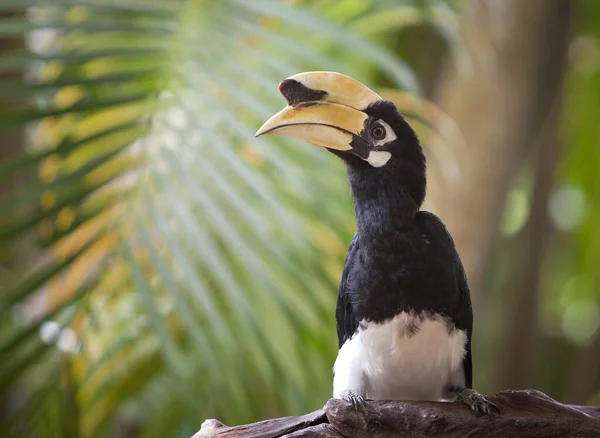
[529,413]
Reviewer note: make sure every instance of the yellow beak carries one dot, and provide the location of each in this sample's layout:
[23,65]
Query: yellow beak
[324,108]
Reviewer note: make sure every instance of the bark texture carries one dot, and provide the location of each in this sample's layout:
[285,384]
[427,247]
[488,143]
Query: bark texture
[523,414]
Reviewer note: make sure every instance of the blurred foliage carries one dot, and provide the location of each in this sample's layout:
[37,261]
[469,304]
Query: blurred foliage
[569,278]
[175,268]
[158,265]
[574,208]
[570,273]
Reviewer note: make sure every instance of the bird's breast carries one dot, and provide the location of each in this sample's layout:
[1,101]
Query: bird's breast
[411,356]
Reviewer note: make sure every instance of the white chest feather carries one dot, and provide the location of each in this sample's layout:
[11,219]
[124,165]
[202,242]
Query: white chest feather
[410,357]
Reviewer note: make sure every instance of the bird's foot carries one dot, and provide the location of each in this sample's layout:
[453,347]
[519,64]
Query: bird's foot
[356,400]
[477,402]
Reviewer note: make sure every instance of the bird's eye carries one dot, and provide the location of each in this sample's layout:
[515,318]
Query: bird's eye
[378,132]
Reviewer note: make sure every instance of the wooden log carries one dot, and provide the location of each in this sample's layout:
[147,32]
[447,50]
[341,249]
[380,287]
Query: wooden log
[523,414]
[274,428]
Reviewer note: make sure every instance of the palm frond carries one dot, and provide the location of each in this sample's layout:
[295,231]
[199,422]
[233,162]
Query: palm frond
[194,266]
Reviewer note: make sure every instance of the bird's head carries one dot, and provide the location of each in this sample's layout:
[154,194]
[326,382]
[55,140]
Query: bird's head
[339,113]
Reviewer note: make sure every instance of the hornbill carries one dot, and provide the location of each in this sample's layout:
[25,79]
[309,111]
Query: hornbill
[404,317]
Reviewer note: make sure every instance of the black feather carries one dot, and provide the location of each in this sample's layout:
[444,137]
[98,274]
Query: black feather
[461,315]
[401,259]
[346,322]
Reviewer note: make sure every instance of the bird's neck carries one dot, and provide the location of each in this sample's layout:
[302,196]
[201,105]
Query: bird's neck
[386,202]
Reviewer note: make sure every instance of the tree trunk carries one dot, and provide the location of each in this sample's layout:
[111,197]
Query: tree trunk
[503,78]
[515,359]
[584,377]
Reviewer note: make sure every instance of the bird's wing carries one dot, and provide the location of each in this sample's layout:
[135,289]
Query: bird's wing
[467,314]
[462,312]
[346,322]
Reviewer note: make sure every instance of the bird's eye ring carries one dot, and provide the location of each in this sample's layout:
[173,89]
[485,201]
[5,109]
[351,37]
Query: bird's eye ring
[378,132]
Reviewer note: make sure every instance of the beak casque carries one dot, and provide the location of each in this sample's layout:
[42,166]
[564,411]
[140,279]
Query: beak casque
[324,108]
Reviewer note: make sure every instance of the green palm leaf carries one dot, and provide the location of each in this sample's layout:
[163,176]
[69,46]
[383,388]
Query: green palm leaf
[192,270]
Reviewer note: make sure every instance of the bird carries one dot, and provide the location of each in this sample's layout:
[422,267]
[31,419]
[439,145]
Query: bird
[404,317]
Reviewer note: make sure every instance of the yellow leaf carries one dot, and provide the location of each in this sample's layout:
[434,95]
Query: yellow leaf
[49,168]
[65,218]
[82,155]
[47,200]
[51,71]
[106,119]
[76,14]
[68,96]
[99,67]
[108,170]
[61,289]
[253,155]
[327,240]
[269,23]
[79,237]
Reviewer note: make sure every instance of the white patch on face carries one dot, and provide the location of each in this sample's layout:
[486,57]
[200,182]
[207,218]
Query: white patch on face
[386,362]
[378,158]
[390,135]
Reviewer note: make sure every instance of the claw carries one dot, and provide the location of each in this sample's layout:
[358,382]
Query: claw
[477,402]
[356,400]
[492,406]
